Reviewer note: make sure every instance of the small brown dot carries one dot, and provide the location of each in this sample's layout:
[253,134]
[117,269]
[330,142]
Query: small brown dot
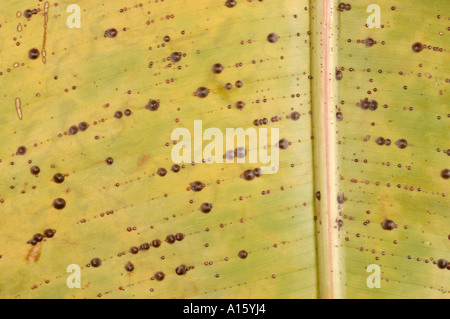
[402,144]
[442,263]
[111,33]
[417,47]
[243,254]
[230,3]
[388,224]
[159,276]
[58,178]
[21,150]
[175,56]
[217,68]
[445,173]
[206,207]
[73,130]
[202,92]
[35,170]
[129,267]
[240,105]
[49,233]
[161,172]
[181,270]
[152,105]
[272,38]
[96,262]
[170,239]
[38,237]
[156,243]
[33,54]
[59,203]
[83,126]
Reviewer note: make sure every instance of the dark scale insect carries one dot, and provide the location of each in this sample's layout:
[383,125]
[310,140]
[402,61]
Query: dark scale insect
[206,207]
[202,92]
[402,144]
[318,195]
[181,270]
[21,150]
[170,239]
[73,130]
[369,42]
[339,116]
[109,161]
[179,236]
[129,267]
[243,254]
[445,173]
[166,38]
[49,233]
[35,170]
[388,224]
[28,13]
[111,33]
[127,112]
[339,75]
[249,175]
[96,262]
[283,144]
[417,47]
[152,105]
[239,84]
[348,7]
[197,186]
[145,246]
[217,68]
[295,116]
[340,223]
[156,243]
[159,276]
[175,168]
[58,178]
[341,6]
[118,115]
[134,250]
[230,154]
[83,126]
[380,141]
[33,54]
[38,237]
[240,152]
[230,3]
[240,105]
[442,263]
[59,203]
[272,38]
[257,172]
[175,56]
[161,172]
[373,105]
[340,198]
[365,104]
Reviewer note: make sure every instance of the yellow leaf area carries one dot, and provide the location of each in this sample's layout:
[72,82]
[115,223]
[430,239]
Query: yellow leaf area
[125,54]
